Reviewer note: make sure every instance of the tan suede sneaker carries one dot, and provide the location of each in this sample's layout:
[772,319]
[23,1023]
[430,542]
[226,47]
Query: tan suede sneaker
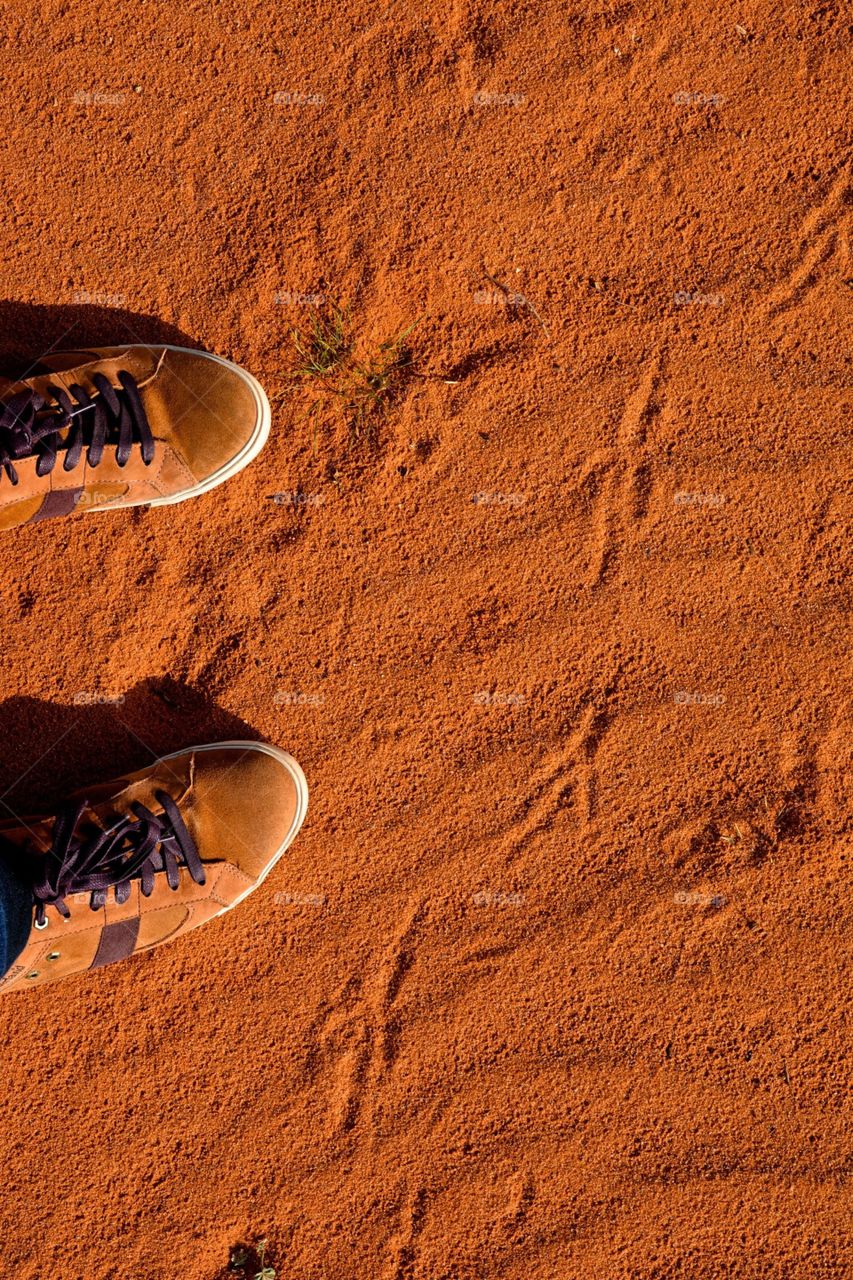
[148,857]
[123,427]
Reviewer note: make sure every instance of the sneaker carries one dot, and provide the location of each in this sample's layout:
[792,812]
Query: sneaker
[150,856]
[124,427]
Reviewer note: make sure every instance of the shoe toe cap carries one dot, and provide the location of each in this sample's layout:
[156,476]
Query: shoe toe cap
[247,803]
[209,410]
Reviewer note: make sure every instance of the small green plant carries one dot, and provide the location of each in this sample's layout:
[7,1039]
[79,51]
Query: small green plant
[265,1273]
[333,372]
[242,1256]
[325,344]
[370,381]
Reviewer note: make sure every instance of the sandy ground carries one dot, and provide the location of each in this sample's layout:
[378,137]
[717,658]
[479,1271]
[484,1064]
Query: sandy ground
[553,982]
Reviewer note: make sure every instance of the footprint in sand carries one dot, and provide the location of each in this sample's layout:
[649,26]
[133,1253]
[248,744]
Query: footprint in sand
[362,1041]
[622,477]
[819,236]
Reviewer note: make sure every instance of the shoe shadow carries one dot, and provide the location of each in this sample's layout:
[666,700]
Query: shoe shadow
[48,750]
[29,332]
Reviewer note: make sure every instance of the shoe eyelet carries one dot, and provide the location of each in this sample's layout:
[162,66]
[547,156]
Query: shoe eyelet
[34,974]
[53,955]
[41,924]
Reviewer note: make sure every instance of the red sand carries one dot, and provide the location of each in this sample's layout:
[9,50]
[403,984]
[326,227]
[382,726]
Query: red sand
[553,982]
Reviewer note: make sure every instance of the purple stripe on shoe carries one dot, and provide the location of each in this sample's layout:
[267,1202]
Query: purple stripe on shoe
[59,502]
[118,941]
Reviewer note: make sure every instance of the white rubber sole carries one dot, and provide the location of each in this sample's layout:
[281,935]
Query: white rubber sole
[247,454]
[299,780]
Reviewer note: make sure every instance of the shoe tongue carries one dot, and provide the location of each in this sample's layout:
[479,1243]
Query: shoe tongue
[34,837]
[60,360]
[105,803]
[65,368]
[33,371]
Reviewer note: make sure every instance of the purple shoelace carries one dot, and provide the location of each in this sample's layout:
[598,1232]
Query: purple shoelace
[30,426]
[133,848]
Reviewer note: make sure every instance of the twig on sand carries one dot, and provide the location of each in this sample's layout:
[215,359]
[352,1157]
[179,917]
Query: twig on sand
[506,292]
